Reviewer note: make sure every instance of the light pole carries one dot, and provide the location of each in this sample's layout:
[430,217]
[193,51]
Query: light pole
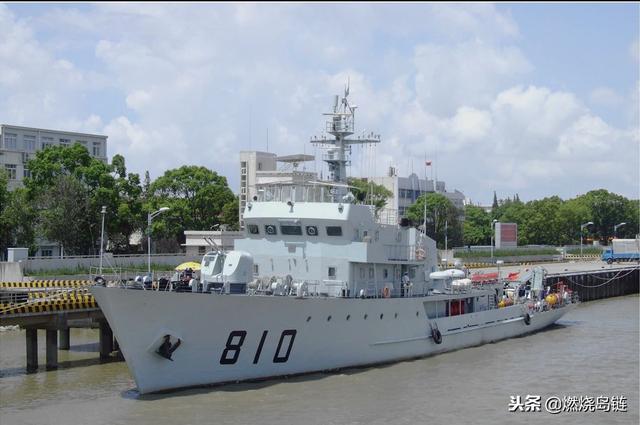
[445,234]
[582,226]
[103,212]
[615,229]
[151,216]
[499,263]
[493,223]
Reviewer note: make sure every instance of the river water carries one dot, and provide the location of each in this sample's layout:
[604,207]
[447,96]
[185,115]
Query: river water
[593,351]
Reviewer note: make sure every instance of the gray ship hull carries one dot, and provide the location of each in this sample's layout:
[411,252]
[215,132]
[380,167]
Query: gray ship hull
[228,338]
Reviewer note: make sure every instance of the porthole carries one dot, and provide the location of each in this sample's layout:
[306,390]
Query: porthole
[309,319]
[417,313]
[329,319]
[348,316]
[395,316]
[381,316]
[365,316]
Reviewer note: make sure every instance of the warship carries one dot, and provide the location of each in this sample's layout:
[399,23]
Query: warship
[318,283]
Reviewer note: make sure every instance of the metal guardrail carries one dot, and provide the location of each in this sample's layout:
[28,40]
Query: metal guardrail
[97,257]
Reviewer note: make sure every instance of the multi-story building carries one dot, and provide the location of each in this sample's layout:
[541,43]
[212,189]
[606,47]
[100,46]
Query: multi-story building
[199,242]
[261,168]
[406,190]
[19,144]
[250,163]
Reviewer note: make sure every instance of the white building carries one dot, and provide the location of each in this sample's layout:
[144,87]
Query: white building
[261,168]
[406,190]
[20,144]
[199,242]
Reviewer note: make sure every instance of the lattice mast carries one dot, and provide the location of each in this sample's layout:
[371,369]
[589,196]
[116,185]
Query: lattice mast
[340,124]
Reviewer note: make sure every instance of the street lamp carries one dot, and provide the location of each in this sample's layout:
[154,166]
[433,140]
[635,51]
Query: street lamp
[151,216]
[582,226]
[615,228]
[493,223]
[103,212]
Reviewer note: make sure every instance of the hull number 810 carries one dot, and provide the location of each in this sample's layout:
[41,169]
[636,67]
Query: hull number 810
[235,340]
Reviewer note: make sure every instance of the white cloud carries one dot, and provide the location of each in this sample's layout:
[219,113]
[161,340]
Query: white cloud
[174,84]
[604,96]
[465,74]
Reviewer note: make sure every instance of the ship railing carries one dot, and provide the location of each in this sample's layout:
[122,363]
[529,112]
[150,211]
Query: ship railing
[342,125]
[309,191]
[326,287]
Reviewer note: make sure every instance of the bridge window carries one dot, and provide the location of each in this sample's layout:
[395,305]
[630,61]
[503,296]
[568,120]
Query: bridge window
[270,229]
[312,231]
[253,229]
[291,230]
[334,231]
[331,273]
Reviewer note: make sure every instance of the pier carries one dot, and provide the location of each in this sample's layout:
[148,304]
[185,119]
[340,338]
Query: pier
[55,307]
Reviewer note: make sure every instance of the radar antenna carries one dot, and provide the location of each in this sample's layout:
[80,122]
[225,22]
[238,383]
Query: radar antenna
[340,124]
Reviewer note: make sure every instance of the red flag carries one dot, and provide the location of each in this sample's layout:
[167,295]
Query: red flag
[428,163]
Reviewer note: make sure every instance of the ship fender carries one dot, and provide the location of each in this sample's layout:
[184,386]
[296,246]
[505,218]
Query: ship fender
[436,335]
[527,319]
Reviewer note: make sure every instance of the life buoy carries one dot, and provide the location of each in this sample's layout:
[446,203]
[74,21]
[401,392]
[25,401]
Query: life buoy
[527,319]
[386,292]
[436,335]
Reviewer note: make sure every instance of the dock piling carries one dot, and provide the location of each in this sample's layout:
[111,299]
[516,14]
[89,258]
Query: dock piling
[106,340]
[65,338]
[32,350]
[52,349]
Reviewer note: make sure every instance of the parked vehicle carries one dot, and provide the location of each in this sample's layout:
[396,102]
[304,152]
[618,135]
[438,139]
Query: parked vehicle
[622,250]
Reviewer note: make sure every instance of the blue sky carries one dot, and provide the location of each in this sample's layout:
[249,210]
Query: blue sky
[534,99]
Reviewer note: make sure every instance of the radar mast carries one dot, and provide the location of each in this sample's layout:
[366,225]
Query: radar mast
[340,124]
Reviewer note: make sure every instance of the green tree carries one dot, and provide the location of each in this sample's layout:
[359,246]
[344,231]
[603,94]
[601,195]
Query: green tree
[606,210]
[368,192]
[632,218]
[5,229]
[16,218]
[128,214]
[571,214]
[440,213]
[230,214]
[494,205]
[196,197]
[103,184]
[477,226]
[64,217]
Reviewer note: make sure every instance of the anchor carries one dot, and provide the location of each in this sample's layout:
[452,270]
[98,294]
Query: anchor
[166,349]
